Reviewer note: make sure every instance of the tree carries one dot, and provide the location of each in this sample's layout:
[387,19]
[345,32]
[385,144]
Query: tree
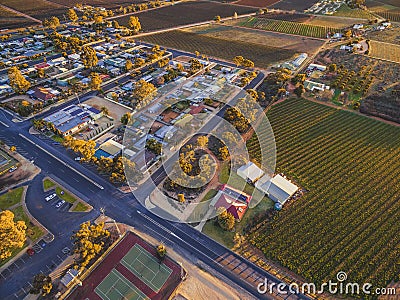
[12,234]
[95,81]
[332,68]
[144,92]
[89,241]
[348,33]
[71,14]
[235,15]
[195,65]
[125,118]
[202,141]
[40,73]
[98,19]
[104,110]
[41,284]
[161,251]
[217,19]
[52,23]
[299,90]
[225,219]
[115,24]
[128,65]
[89,57]
[134,24]
[238,60]
[181,198]
[154,146]
[17,81]
[13,148]
[223,153]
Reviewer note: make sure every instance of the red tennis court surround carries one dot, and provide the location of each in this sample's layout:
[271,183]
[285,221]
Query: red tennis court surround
[113,261]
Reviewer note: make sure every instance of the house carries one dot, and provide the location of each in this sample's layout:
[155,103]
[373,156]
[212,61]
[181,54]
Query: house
[250,172]
[74,56]
[312,85]
[234,201]
[165,132]
[318,67]
[5,88]
[111,148]
[44,94]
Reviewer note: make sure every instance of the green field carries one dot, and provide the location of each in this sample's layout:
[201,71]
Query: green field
[349,219]
[289,27]
[345,11]
[66,196]
[48,184]
[80,207]
[11,198]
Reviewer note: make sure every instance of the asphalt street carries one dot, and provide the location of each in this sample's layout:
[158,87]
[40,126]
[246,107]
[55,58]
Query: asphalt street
[59,164]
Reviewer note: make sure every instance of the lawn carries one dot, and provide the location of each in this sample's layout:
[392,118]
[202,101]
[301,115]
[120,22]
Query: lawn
[48,184]
[80,207]
[11,198]
[32,232]
[57,138]
[348,219]
[66,196]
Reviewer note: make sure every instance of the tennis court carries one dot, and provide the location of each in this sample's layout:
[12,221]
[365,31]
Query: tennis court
[116,286]
[146,267]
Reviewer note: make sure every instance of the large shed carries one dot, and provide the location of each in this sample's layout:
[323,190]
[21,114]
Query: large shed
[281,189]
[250,172]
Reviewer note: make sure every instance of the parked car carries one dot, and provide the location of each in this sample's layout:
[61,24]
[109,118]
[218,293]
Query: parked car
[59,204]
[12,169]
[30,251]
[49,197]
[78,158]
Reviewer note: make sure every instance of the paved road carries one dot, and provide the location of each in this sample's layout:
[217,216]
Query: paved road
[57,162]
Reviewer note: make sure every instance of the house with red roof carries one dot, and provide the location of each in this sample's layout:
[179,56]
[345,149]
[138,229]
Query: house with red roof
[234,201]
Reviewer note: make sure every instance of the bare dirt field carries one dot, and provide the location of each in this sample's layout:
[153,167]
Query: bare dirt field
[25,171]
[115,111]
[257,3]
[294,4]
[271,39]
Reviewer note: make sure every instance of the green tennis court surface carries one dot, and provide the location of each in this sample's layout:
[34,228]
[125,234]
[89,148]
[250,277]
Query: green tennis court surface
[116,286]
[146,267]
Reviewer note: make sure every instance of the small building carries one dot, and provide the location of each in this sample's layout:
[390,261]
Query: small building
[318,67]
[69,277]
[112,147]
[250,172]
[299,60]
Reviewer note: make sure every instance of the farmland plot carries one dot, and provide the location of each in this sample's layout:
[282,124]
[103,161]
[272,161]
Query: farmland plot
[386,51]
[215,47]
[348,221]
[289,27]
[185,13]
[39,9]
[11,20]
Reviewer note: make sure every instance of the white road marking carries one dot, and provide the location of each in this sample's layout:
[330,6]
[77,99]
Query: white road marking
[4,124]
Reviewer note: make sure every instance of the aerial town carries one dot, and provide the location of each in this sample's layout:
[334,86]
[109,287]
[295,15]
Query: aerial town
[199,149]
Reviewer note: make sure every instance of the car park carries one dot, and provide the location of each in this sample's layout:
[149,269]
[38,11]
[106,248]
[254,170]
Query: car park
[49,197]
[60,203]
